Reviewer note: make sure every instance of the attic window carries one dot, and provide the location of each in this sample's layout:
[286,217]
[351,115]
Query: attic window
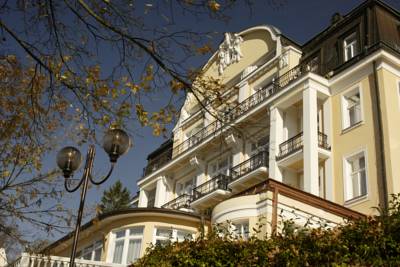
[350,46]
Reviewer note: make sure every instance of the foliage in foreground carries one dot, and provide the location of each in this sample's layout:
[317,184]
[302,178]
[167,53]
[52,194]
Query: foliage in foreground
[369,242]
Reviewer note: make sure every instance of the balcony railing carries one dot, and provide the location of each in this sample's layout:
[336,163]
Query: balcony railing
[323,141]
[158,162]
[239,110]
[219,182]
[293,74]
[290,146]
[33,260]
[296,143]
[253,163]
[183,201]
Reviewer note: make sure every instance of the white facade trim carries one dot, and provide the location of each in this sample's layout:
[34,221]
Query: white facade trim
[310,141]
[345,173]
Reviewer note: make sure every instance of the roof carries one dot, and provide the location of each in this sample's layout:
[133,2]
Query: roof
[104,216]
[160,149]
[349,16]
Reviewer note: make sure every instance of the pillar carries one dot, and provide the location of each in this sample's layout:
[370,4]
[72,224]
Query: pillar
[310,141]
[275,139]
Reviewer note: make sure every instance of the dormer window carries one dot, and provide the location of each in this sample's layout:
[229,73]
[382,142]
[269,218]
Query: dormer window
[350,46]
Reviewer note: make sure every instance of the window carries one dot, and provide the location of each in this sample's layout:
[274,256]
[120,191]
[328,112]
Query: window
[126,245]
[194,136]
[260,145]
[356,176]
[164,236]
[351,105]
[350,46]
[92,252]
[220,166]
[241,230]
[186,187]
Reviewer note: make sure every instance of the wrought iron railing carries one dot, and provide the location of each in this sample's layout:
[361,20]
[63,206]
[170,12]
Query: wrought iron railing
[239,110]
[161,159]
[290,146]
[219,182]
[197,138]
[182,201]
[253,163]
[323,141]
[293,74]
[296,143]
[38,260]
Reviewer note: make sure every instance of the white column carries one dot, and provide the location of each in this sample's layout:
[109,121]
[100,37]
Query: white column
[142,199]
[161,192]
[24,261]
[243,91]
[329,184]
[3,257]
[310,141]
[275,139]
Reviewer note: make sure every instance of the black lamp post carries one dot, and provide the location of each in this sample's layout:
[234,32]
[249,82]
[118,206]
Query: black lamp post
[116,142]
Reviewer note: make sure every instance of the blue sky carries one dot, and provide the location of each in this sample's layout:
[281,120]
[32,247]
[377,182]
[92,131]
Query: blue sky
[298,20]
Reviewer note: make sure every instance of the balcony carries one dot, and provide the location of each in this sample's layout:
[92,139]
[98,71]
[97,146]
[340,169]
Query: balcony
[32,260]
[294,144]
[235,113]
[250,172]
[211,192]
[181,202]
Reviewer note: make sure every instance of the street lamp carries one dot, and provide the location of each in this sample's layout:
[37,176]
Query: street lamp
[116,142]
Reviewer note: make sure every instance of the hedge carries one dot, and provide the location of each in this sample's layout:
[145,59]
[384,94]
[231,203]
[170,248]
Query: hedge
[374,241]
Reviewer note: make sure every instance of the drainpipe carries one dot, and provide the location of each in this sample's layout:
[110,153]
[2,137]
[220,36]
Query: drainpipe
[379,144]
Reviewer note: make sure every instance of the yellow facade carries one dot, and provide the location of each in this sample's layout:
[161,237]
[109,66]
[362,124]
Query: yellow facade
[292,138]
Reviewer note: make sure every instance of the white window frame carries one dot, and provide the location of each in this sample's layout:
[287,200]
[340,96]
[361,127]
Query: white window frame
[349,198]
[194,130]
[92,247]
[353,45]
[174,234]
[344,107]
[127,237]
[256,146]
[227,156]
[241,234]
[184,184]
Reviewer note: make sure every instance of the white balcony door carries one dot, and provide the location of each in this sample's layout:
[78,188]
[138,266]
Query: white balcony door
[220,166]
[186,187]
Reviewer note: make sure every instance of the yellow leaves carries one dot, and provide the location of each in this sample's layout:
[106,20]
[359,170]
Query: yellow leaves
[214,6]
[132,87]
[114,93]
[33,194]
[98,210]
[204,49]
[59,207]
[176,86]
[157,129]
[66,58]
[142,115]
[105,119]
[102,91]
[11,58]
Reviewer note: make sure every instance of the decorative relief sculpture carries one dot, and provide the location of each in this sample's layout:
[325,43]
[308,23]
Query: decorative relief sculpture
[284,60]
[229,51]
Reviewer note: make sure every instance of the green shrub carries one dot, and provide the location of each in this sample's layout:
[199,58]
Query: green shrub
[374,241]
